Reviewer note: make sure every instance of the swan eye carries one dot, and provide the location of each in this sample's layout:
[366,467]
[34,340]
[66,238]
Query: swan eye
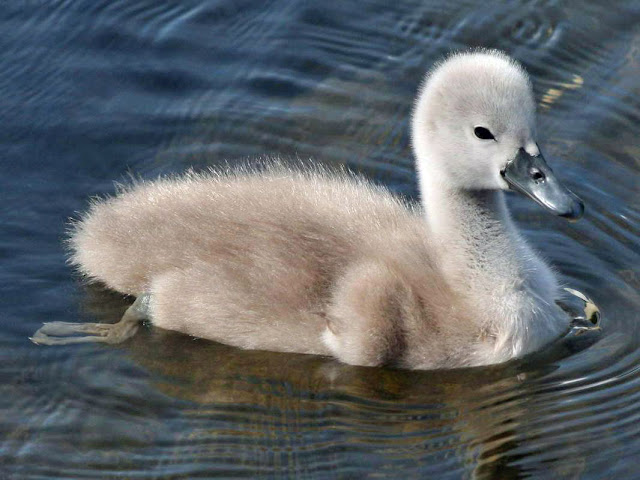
[483,133]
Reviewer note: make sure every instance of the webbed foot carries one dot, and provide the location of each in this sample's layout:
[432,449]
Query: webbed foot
[65,333]
[584,313]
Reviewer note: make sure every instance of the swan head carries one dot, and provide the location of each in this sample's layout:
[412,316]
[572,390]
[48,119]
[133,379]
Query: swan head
[474,128]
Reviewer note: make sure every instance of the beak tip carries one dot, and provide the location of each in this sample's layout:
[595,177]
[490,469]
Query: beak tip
[575,212]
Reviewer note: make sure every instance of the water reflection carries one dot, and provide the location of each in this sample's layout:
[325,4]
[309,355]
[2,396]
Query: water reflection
[300,407]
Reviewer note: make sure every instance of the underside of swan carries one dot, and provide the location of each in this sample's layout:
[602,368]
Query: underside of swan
[304,260]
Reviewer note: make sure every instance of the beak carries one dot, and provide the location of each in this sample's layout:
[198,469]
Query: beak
[532,176]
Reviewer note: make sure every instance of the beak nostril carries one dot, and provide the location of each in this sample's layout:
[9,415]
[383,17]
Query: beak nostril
[537,175]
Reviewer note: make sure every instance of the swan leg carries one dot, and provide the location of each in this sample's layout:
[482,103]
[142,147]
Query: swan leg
[65,333]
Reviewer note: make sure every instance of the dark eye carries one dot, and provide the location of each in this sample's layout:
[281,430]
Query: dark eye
[483,133]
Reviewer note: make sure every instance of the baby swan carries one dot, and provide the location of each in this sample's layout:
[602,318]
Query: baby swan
[321,263]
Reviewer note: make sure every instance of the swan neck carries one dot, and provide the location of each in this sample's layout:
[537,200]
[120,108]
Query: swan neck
[474,221]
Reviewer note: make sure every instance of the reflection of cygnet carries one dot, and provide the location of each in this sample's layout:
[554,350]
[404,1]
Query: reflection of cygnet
[324,263]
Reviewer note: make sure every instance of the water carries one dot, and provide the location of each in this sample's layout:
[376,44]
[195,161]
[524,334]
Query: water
[94,91]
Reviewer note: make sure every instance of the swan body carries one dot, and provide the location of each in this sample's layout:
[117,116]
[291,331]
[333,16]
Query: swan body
[316,262]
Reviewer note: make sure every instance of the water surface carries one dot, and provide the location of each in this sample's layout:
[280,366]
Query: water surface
[95,91]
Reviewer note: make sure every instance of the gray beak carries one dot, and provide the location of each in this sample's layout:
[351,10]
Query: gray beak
[532,176]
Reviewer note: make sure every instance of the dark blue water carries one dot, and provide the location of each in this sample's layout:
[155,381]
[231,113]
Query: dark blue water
[95,91]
